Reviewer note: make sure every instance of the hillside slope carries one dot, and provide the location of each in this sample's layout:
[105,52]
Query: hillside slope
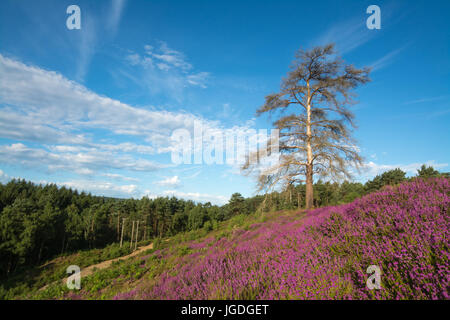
[323,254]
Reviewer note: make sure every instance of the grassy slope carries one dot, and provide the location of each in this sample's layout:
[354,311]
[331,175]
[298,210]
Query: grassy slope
[27,281]
[123,276]
[285,255]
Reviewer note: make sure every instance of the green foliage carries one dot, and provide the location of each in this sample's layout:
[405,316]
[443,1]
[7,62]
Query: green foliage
[157,243]
[391,177]
[208,226]
[114,250]
[236,204]
[197,216]
[427,172]
[184,250]
[29,279]
[38,222]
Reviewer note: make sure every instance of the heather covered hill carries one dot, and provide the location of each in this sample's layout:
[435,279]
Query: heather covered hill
[320,254]
[404,230]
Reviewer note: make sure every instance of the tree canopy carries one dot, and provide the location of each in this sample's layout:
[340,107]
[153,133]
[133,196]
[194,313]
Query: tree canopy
[314,121]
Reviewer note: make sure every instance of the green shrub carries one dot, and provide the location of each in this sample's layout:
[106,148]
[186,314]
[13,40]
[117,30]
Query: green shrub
[157,243]
[184,250]
[208,226]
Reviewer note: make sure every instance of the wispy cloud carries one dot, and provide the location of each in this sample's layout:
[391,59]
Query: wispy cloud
[352,33]
[424,100]
[386,59]
[347,35]
[88,45]
[169,57]
[93,30]
[198,79]
[119,177]
[438,113]
[115,15]
[165,71]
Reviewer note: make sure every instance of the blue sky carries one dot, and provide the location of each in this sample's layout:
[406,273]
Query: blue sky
[94,109]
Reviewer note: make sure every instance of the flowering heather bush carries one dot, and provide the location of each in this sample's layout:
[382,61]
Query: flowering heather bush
[404,230]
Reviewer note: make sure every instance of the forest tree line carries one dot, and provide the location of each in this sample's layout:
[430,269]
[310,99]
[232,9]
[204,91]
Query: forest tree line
[39,222]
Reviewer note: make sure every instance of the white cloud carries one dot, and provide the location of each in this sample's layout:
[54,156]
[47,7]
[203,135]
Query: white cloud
[371,169]
[43,106]
[20,126]
[172,182]
[126,147]
[194,196]
[117,176]
[199,197]
[102,188]
[3,177]
[84,163]
[61,118]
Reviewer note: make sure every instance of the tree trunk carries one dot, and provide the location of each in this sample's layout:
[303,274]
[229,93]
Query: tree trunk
[92,232]
[155,226]
[132,233]
[161,229]
[40,252]
[137,235]
[63,242]
[121,235]
[309,188]
[309,165]
[8,269]
[118,226]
